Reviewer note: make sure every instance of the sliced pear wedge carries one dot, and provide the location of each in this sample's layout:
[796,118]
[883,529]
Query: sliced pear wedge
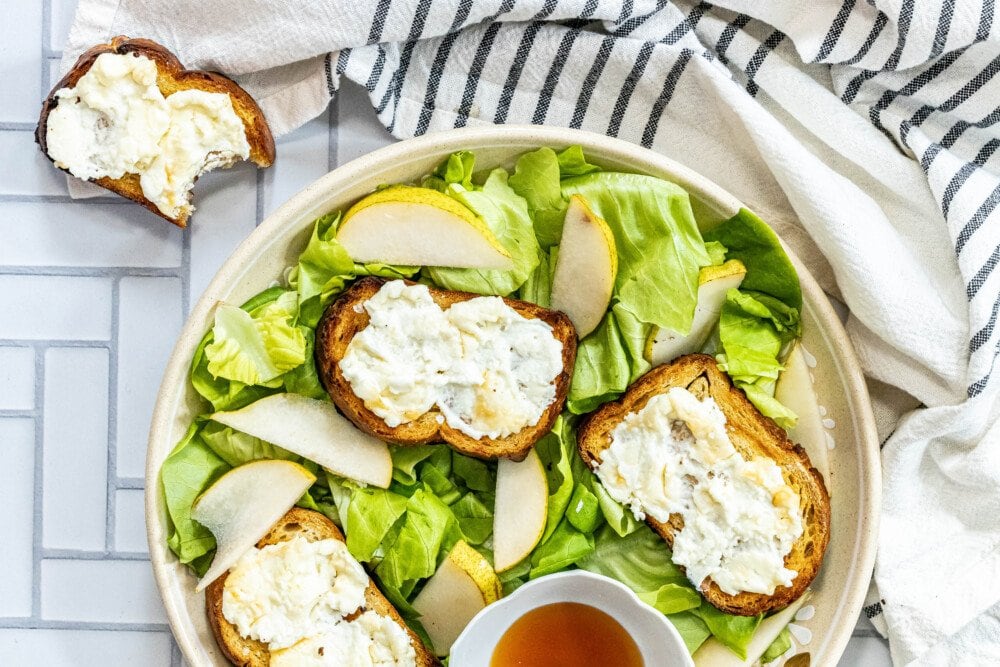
[242,505]
[713,283]
[794,389]
[520,510]
[414,226]
[314,430]
[462,586]
[586,267]
[714,653]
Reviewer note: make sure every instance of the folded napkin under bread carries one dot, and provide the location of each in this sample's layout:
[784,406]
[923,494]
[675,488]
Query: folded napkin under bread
[864,132]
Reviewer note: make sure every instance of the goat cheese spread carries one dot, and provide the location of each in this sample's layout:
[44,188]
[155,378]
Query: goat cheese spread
[292,590]
[370,640]
[116,121]
[740,517]
[489,370]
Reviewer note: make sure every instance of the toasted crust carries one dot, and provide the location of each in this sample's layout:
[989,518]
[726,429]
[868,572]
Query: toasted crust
[342,321]
[171,78]
[752,434]
[314,527]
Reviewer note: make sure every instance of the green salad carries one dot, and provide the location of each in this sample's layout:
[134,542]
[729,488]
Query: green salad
[438,496]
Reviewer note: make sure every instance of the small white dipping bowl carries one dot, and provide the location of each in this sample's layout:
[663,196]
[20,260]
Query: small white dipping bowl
[659,642]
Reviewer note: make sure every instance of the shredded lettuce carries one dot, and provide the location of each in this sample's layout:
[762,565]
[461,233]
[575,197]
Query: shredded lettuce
[762,316]
[255,348]
[438,496]
[506,214]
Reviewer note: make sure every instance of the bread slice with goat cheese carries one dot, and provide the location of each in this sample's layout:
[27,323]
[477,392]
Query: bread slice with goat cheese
[346,317]
[313,526]
[753,435]
[151,127]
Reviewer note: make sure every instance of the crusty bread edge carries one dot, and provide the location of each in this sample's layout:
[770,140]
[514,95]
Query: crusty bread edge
[255,125]
[593,435]
[228,637]
[342,321]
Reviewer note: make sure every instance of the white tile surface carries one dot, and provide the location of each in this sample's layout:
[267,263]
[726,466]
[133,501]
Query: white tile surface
[358,129]
[55,307]
[130,522]
[75,449]
[65,648]
[86,234]
[100,590]
[300,162]
[20,61]
[25,170]
[227,213]
[62,19]
[17,449]
[17,378]
[149,321]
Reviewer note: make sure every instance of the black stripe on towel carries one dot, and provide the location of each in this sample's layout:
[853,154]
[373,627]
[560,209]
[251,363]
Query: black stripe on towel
[728,34]
[762,52]
[437,68]
[944,25]
[978,218]
[911,87]
[903,26]
[836,29]
[475,71]
[628,87]
[982,274]
[880,22]
[669,85]
[590,82]
[396,82]
[963,174]
[514,75]
[986,332]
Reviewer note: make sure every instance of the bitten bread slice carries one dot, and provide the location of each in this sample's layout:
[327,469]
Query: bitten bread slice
[171,78]
[313,526]
[345,317]
[753,435]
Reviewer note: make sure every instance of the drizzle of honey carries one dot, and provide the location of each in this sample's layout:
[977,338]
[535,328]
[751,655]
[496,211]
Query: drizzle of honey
[566,634]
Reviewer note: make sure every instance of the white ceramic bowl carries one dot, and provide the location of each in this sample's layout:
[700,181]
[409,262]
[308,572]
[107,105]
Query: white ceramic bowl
[261,259]
[658,641]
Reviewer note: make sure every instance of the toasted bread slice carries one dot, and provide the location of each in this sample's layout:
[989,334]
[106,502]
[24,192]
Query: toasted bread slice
[753,435]
[344,318]
[171,78]
[313,526]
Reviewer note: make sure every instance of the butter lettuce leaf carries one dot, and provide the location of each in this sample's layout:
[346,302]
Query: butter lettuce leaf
[254,349]
[660,249]
[506,214]
[572,162]
[371,515]
[608,360]
[733,631]
[557,451]
[414,553]
[536,178]
[236,448]
[566,546]
[191,467]
[781,643]
[474,518]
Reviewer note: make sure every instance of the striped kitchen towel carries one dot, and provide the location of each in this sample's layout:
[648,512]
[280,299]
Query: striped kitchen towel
[864,131]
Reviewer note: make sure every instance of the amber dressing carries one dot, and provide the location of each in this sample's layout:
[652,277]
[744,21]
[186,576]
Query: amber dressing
[566,634]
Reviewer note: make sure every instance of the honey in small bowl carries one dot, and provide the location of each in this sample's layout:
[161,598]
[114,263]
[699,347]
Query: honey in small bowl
[566,634]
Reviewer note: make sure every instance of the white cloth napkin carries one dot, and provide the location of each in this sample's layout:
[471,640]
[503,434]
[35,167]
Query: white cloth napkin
[864,132]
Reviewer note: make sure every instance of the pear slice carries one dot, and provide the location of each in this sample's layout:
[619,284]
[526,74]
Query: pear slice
[414,226]
[462,586]
[242,505]
[714,653]
[713,283]
[520,510]
[314,430]
[794,389]
[586,267]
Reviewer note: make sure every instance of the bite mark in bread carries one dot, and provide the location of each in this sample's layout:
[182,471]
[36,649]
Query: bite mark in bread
[752,434]
[246,652]
[344,318]
[171,77]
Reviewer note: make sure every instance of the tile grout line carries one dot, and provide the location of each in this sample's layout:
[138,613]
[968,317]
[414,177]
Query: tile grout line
[114,626]
[36,536]
[111,501]
[91,271]
[130,483]
[82,554]
[185,272]
[53,342]
[175,652]
[332,141]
